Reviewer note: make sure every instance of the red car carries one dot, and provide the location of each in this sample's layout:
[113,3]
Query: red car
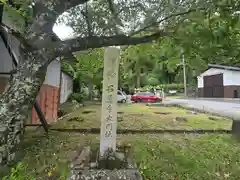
[145,97]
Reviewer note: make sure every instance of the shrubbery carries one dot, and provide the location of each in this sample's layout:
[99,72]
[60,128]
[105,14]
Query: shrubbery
[21,172]
[166,87]
[18,173]
[79,97]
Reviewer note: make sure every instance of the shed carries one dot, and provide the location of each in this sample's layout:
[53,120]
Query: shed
[219,81]
[55,89]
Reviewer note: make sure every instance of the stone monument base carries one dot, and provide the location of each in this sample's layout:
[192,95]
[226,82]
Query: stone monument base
[117,165]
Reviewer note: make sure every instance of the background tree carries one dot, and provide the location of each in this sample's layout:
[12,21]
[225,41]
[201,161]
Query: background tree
[209,37]
[137,62]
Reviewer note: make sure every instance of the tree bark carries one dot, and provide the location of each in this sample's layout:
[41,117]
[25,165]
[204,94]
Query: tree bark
[18,100]
[90,90]
[138,80]
[78,44]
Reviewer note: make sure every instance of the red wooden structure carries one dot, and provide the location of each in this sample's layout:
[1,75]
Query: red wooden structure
[49,95]
[48,99]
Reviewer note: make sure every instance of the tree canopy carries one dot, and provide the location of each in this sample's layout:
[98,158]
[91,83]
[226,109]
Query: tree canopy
[209,36]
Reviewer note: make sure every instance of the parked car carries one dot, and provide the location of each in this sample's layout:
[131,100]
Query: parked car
[121,97]
[172,92]
[145,97]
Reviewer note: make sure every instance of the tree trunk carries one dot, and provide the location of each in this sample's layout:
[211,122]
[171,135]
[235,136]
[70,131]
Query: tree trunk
[17,102]
[90,89]
[99,89]
[138,80]
[76,86]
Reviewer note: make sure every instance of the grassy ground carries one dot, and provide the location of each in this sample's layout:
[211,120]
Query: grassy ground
[175,97]
[162,156]
[139,116]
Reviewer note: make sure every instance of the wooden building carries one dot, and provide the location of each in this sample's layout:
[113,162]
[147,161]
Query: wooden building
[219,81]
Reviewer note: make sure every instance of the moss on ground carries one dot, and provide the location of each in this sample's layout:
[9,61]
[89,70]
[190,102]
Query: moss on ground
[162,156]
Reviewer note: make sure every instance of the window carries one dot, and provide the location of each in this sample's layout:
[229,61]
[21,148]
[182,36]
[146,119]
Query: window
[149,94]
[140,94]
[145,94]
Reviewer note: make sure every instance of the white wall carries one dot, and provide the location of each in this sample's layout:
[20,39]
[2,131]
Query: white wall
[53,74]
[200,81]
[14,44]
[229,77]
[6,63]
[66,87]
[18,24]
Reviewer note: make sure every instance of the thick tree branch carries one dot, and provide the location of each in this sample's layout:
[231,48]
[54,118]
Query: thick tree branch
[87,19]
[65,47]
[166,18]
[46,13]
[115,15]
[17,35]
[57,7]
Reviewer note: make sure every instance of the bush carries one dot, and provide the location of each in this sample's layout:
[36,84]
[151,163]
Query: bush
[19,173]
[166,87]
[77,97]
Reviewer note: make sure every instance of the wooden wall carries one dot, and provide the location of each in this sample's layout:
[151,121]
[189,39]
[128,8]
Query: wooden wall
[48,99]
[49,95]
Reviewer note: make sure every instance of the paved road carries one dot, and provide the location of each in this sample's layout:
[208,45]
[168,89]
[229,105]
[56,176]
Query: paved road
[227,109]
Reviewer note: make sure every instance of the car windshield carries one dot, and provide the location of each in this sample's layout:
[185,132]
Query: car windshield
[149,94]
[145,94]
[119,93]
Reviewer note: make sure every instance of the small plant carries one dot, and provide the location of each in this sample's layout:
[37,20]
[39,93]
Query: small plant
[18,173]
[77,96]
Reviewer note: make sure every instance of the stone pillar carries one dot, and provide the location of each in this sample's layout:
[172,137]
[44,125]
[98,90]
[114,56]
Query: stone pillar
[109,100]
